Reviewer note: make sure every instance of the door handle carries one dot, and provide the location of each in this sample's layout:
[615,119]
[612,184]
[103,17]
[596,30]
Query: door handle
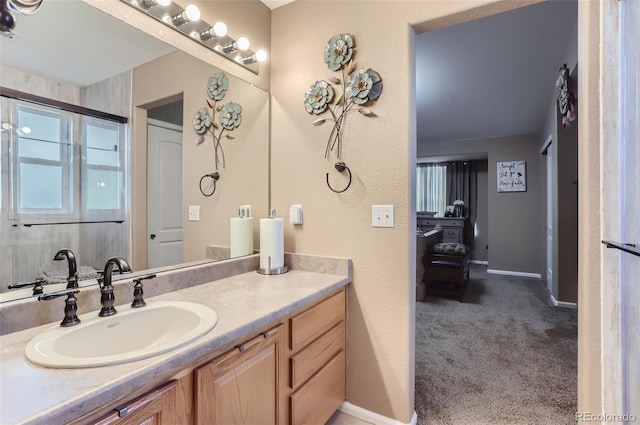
[152,237]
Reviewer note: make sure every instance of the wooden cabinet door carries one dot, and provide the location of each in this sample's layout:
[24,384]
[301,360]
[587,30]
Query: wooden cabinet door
[158,407]
[241,387]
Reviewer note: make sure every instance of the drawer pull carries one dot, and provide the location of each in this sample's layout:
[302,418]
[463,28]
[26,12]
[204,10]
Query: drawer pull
[240,347]
[265,335]
[122,411]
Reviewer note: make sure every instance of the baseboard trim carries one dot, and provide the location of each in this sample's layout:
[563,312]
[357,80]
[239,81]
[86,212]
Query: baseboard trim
[564,304]
[369,416]
[482,263]
[511,273]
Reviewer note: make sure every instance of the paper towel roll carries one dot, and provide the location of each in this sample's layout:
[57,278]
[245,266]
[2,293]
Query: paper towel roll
[241,236]
[271,243]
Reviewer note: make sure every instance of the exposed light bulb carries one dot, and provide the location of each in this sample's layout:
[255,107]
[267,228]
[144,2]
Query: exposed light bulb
[243,43]
[220,29]
[164,2]
[26,130]
[261,55]
[192,12]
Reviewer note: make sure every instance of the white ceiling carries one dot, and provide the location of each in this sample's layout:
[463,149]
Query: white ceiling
[493,76]
[72,42]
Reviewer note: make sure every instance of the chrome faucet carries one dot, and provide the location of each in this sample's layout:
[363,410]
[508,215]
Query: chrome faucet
[72,280]
[107,299]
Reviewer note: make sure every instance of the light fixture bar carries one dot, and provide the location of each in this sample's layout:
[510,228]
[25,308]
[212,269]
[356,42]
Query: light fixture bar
[213,37]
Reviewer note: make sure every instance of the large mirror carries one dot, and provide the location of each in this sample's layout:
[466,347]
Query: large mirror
[159,217]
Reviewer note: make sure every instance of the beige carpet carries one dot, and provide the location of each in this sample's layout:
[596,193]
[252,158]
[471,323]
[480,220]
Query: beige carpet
[504,356]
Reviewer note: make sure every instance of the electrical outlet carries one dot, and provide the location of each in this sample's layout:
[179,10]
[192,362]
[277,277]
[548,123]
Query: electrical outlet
[194,212]
[382,216]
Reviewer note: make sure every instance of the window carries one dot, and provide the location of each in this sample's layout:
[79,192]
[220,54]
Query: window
[42,147]
[103,162]
[431,188]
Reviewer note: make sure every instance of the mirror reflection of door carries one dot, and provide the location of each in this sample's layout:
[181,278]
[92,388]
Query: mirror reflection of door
[164,187]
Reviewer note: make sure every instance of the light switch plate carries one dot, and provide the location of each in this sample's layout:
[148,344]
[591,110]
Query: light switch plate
[382,216]
[194,212]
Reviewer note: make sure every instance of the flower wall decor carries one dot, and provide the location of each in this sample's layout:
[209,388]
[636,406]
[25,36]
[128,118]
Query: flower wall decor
[341,95]
[229,116]
[566,101]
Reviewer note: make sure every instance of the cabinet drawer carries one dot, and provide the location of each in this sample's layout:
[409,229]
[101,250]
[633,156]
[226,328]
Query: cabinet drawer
[427,222]
[452,235]
[310,324]
[320,397]
[156,407]
[452,223]
[309,360]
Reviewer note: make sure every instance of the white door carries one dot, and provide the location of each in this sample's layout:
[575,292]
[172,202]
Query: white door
[164,194]
[550,184]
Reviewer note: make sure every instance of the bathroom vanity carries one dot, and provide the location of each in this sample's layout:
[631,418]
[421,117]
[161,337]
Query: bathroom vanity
[276,356]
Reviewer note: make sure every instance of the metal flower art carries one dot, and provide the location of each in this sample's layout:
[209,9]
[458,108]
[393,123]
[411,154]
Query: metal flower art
[338,51]
[317,97]
[201,121]
[353,90]
[230,116]
[365,85]
[218,85]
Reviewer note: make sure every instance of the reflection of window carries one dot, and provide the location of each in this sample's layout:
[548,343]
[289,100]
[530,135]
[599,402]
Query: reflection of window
[43,146]
[103,165]
[63,164]
[431,188]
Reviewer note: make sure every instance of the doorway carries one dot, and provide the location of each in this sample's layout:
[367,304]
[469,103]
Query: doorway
[522,239]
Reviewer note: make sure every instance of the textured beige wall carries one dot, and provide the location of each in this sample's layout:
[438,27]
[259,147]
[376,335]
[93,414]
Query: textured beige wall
[381,154]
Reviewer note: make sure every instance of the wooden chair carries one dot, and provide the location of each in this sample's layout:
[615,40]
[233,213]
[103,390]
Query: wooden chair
[446,269]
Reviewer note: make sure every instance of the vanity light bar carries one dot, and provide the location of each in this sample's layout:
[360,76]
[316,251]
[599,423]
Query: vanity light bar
[214,37]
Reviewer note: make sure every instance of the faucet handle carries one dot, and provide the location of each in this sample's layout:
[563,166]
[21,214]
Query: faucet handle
[37,286]
[138,291]
[70,307]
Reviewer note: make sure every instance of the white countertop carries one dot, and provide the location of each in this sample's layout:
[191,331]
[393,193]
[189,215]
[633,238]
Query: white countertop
[245,302]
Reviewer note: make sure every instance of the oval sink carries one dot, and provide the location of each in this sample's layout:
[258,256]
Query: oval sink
[130,335]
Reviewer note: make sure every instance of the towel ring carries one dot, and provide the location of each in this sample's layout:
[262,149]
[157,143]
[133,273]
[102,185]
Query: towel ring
[215,176]
[340,166]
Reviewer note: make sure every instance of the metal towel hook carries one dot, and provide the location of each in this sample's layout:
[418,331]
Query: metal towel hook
[215,176]
[340,166]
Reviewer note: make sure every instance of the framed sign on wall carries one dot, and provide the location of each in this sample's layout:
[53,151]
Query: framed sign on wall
[512,176]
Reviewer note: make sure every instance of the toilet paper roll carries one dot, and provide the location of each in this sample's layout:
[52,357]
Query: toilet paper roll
[241,236]
[271,243]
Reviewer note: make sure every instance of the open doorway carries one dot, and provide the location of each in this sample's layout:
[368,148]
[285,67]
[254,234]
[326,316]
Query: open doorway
[488,85]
